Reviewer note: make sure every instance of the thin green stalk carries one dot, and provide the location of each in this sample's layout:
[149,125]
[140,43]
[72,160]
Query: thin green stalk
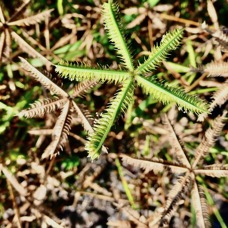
[125,184]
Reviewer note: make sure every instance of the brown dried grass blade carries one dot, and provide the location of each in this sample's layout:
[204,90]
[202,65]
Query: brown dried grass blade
[28,49]
[200,206]
[177,144]
[155,165]
[59,127]
[216,170]
[46,82]
[85,122]
[220,36]
[31,40]
[47,34]
[20,10]
[32,20]
[11,178]
[83,87]
[8,42]
[2,18]
[2,43]
[86,113]
[42,107]
[222,39]
[137,21]
[60,132]
[212,13]
[177,193]
[62,41]
[209,139]
[219,98]
[40,131]
[216,69]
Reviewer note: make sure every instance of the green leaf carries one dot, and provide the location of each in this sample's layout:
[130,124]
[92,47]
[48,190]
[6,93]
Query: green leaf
[60,7]
[192,61]
[80,72]
[70,163]
[103,125]
[169,42]
[177,67]
[116,33]
[125,184]
[153,3]
[70,51]
[167,94]
[191,53]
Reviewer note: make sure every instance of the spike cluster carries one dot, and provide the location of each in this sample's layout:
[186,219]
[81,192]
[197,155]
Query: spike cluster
[62,101]
[136,75]
[187,173]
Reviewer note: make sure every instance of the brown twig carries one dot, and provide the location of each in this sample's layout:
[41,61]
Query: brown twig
[16,210]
